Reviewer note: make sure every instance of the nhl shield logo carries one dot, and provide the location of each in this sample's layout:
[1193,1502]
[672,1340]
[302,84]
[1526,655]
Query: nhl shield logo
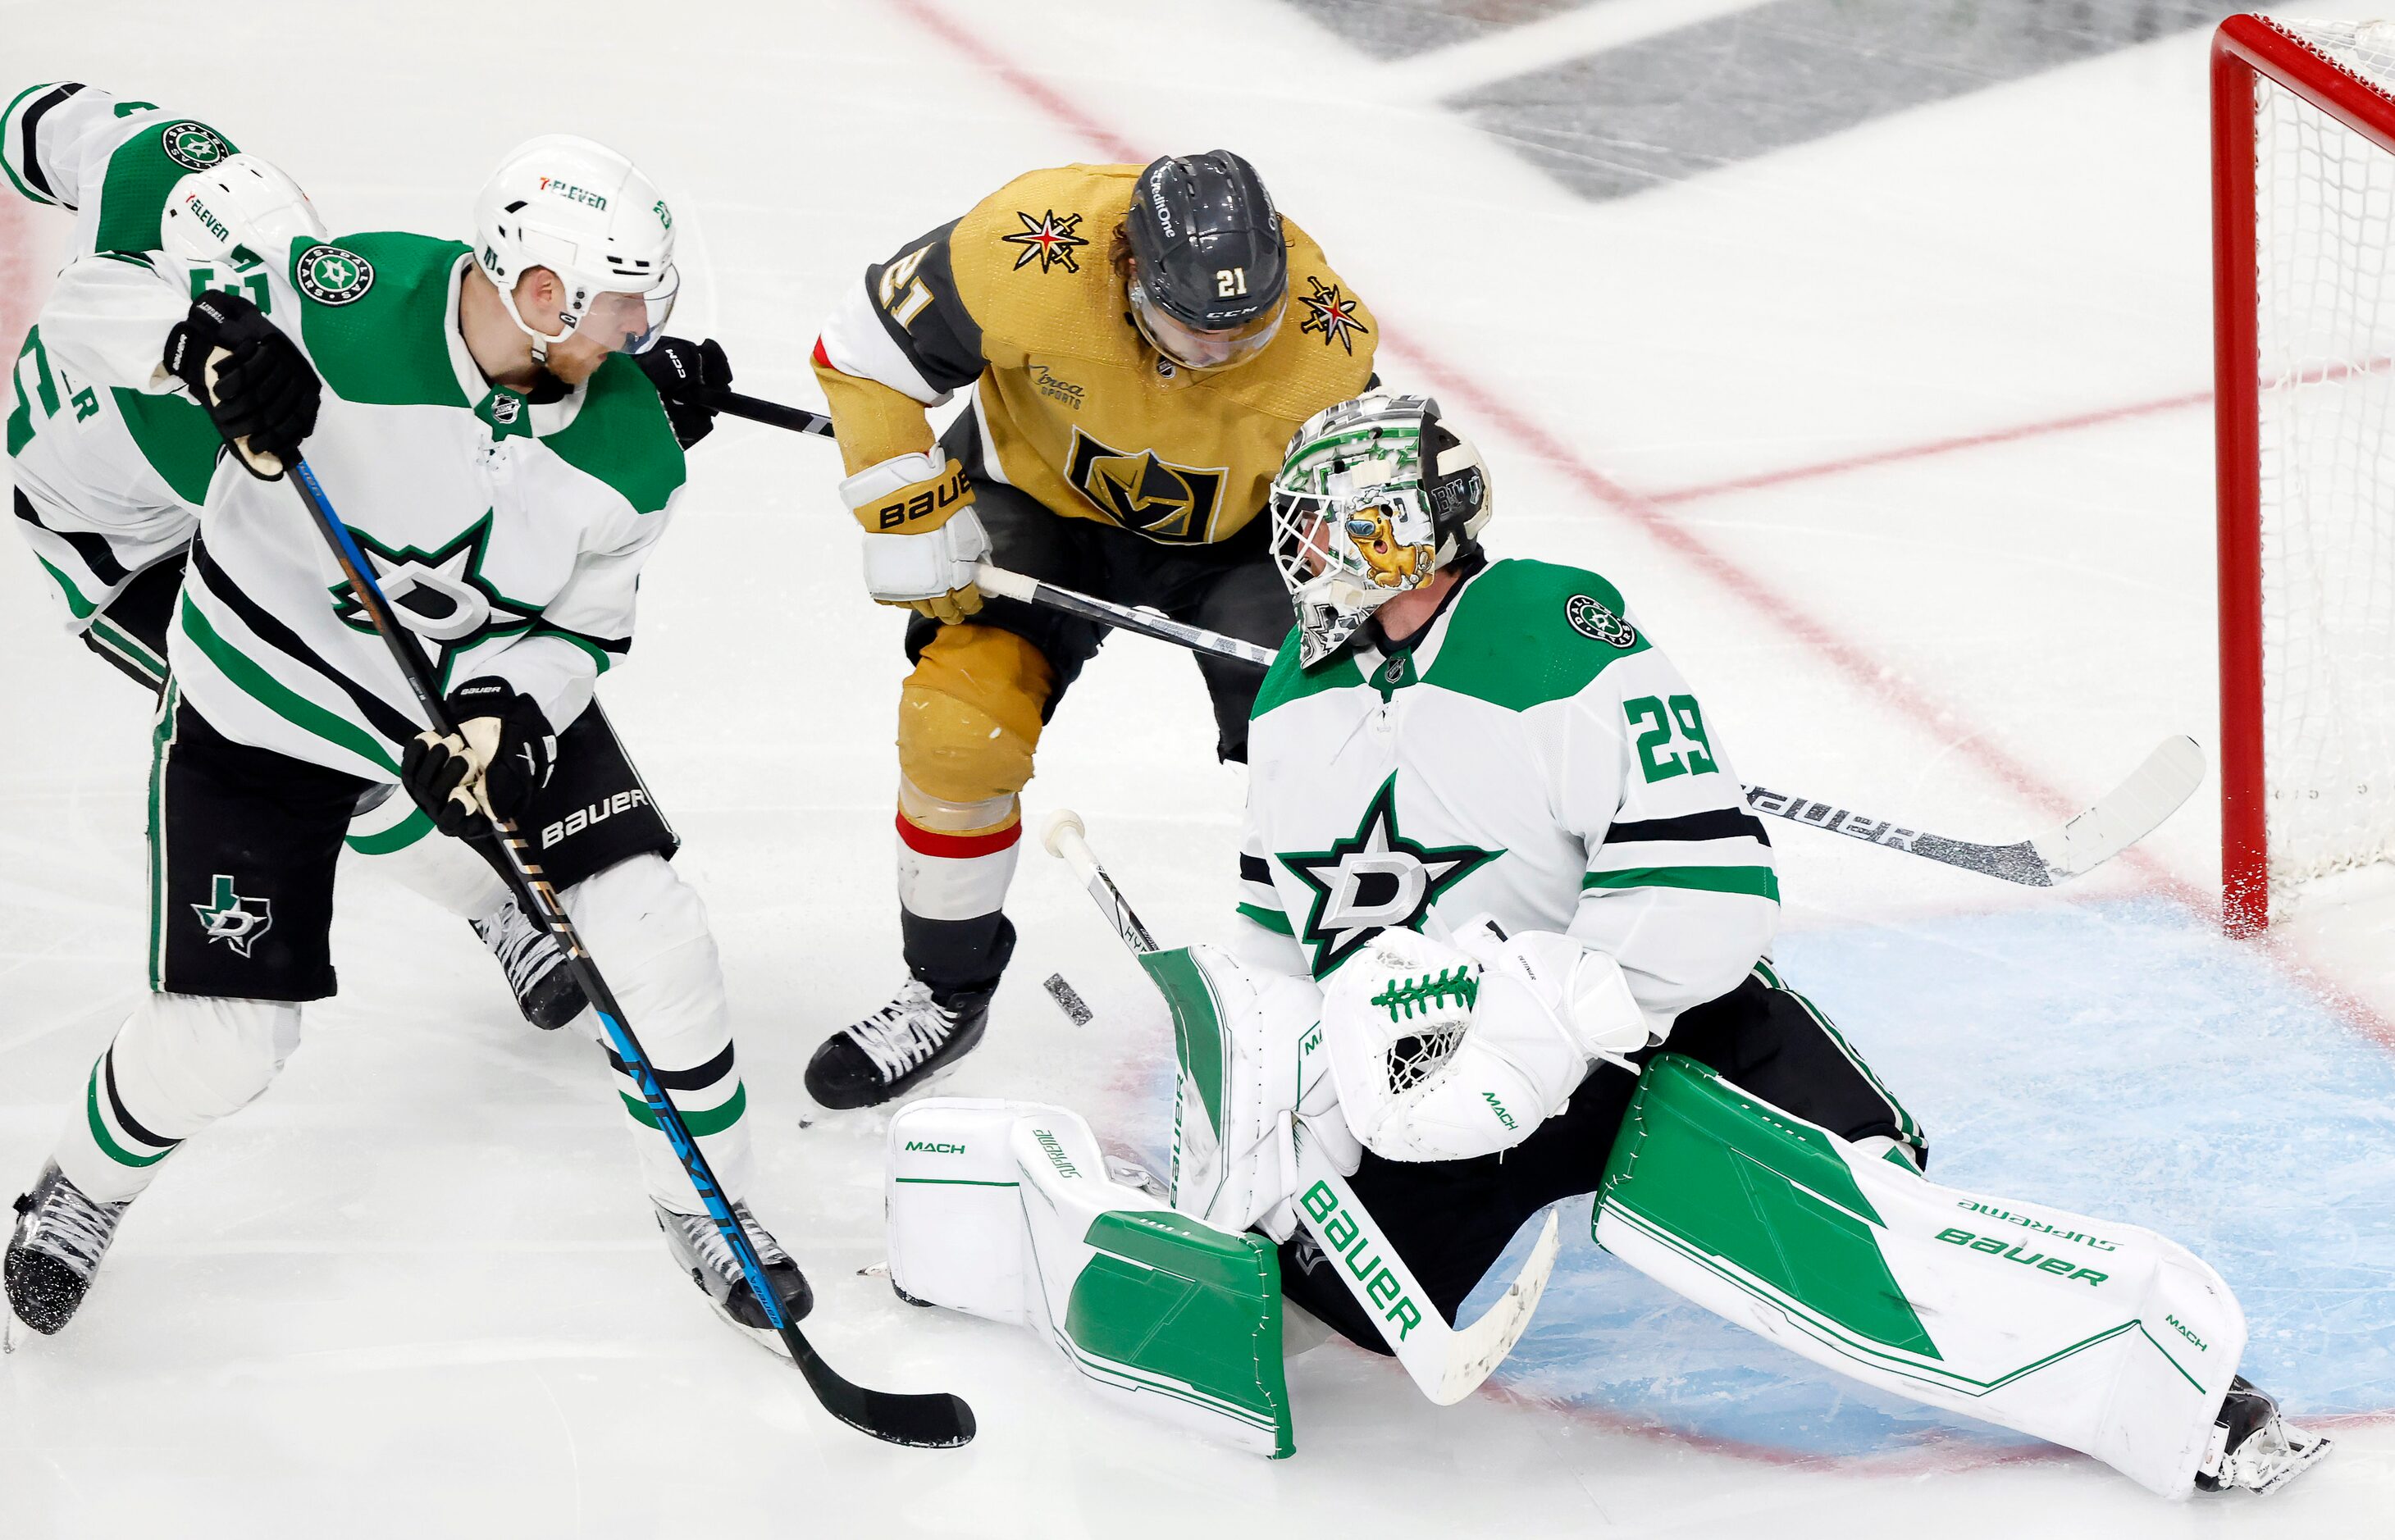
[1591,618]
[193,146]
[332,275]
[229,917]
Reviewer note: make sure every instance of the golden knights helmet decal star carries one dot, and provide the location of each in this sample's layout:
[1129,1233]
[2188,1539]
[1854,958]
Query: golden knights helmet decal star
[1160,499]
[1375,880]
[441,595]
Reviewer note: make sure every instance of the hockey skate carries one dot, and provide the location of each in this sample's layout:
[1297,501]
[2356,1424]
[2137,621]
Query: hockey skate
[897,1047]
[2253,1449]
[55,1249]
[543,986]
[698,1247]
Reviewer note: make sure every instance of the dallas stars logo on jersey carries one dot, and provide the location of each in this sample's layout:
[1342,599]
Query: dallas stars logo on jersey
[441,595]
[1375,880]
[229,917]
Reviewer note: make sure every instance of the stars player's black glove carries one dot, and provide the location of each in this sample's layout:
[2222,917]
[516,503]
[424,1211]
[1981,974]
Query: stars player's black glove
[683,372]
[501,753]
[265,392]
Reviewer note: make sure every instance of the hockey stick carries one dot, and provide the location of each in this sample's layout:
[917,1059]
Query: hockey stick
[1446,1363]
[1147,623]
[2118,820]
[933,1421]
[798,419]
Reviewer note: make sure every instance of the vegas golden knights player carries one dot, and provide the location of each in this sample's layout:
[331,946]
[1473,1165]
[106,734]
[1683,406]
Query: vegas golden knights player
[1138,343]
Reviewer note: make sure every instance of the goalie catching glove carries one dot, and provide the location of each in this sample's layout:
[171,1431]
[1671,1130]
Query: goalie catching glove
[1446,1053]
[502,752]
[922,538]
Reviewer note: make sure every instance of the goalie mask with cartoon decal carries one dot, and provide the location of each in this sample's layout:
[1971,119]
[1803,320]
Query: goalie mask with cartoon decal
[1375,494]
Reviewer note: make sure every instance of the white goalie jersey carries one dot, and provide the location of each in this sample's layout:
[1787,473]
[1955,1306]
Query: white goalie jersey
[1534,757]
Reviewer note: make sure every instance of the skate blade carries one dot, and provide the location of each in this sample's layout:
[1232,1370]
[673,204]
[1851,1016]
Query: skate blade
[767,1338]
[2300,1457]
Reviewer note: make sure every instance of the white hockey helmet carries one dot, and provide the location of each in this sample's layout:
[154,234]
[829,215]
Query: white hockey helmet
[243,201]
[594,219]
[1375,495]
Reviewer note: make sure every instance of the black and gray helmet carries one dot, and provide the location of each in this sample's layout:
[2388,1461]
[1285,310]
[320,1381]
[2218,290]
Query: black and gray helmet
[1207,241]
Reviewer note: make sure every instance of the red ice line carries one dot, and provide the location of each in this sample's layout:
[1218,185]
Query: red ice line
[1875,678]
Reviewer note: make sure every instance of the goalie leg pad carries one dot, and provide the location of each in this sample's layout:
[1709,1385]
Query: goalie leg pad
[2100,1336]
[1004,1210]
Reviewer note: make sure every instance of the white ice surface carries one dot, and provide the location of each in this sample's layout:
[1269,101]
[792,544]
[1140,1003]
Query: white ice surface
[414,1291]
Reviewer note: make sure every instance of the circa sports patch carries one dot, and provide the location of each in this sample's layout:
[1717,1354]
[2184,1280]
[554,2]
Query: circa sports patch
[332,275]
[1591,618]
[192,146]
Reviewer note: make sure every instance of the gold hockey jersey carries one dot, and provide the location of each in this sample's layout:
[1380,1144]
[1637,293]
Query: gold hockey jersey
[1022,298]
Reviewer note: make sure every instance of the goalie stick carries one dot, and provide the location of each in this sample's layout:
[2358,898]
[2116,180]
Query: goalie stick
[931,1421]
[1446,1363]
[2118,820]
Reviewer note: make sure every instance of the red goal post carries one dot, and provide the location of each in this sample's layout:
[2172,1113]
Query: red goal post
[2303,142]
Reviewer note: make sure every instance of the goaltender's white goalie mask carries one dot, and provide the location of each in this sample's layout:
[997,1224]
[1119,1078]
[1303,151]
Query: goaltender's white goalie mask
[593,218]
[1375,494]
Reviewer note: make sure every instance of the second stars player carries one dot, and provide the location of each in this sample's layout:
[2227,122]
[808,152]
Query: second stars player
[1139,343]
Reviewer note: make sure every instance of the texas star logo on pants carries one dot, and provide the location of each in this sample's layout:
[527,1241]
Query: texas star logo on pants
[232,919]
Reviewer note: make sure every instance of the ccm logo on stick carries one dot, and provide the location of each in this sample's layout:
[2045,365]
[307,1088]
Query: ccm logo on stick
[597,812]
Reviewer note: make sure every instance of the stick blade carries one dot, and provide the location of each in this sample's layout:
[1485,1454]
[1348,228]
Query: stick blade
[937,1420]
[1484,1344]
[2126,813]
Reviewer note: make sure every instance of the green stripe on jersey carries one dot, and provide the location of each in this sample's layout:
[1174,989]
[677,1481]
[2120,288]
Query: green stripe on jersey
[621,437]
[1512,642]
[390,346]
[84,609]
[15,142]
[273,694]
[399,837]
[1271,919]
[1757,881]
[175,437]
[1288,682]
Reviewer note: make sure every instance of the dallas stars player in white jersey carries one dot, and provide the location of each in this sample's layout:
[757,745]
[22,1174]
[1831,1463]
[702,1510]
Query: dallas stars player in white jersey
[507,472]
[108,482]
[1502,940]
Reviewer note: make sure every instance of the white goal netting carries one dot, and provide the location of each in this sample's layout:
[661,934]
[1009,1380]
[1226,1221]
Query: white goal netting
[2324,215]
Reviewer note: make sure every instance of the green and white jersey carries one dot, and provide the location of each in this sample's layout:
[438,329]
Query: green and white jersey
[109,477]
[508,534]
[1534,757]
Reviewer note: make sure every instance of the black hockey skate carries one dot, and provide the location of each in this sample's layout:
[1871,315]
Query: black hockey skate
[543,986]
[56,1248]
[698,1247]
[898,1046]
[2253,1449]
